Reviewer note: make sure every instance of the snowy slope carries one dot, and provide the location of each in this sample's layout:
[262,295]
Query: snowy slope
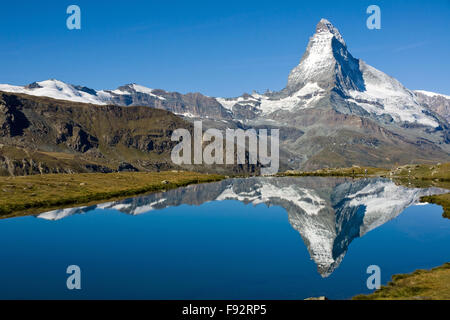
[131,89]
[303,98]
[386,95]
[58,90]
[432,94]
[439,103]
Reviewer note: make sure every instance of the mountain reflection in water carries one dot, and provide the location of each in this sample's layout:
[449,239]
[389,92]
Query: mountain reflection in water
[327,212]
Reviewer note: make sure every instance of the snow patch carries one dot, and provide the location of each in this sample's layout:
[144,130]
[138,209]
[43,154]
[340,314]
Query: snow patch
[432,94]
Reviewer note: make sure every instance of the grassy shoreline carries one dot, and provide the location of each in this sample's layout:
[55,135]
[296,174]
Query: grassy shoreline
[354,172]
[29,194]
[437,173]
[431,284]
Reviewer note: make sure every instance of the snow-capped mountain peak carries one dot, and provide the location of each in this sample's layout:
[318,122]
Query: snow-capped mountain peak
[134,88]
[328,64]
[328,76]
[325,26]
[58,90]
[326,61]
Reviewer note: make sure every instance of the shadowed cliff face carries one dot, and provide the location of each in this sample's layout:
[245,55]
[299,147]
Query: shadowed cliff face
[328,213]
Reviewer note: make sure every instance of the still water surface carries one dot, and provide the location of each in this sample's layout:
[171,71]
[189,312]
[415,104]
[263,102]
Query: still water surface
[258,238]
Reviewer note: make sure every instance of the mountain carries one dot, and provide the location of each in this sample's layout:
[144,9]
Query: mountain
[328,67]
[191,104]
[328,213]
[328,75]
[340,111]
[43,135]
[336,110]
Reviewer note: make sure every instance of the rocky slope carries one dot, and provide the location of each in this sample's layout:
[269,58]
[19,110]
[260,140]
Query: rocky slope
[436,102]
[346,112]
[43,135]
[189,105]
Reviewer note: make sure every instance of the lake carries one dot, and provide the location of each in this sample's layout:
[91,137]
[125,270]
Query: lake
[255,238]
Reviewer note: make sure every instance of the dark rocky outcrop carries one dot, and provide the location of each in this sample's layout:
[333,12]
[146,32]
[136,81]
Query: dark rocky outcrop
[126,167]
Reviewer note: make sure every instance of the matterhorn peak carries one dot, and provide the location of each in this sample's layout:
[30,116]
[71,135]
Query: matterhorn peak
[326,62]
[326,26]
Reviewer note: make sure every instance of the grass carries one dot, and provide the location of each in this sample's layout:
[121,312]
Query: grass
[431,284]
[29,194]
[437,175]
[437,172]
[355,171]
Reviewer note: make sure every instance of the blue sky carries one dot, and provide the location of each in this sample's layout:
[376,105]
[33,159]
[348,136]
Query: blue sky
[219,48]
